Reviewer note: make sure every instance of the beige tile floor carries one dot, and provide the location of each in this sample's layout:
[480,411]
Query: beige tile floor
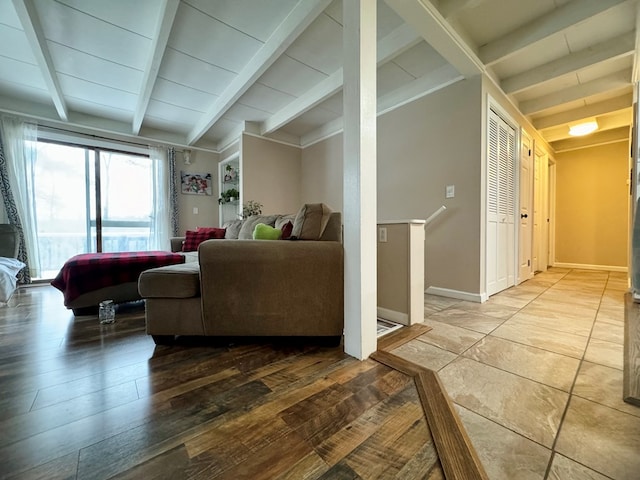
[535,374]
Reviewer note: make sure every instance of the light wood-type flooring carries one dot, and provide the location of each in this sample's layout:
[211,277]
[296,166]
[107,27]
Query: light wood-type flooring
[533,373]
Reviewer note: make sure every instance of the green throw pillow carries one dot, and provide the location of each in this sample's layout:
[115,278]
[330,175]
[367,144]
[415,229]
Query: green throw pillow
[266,232]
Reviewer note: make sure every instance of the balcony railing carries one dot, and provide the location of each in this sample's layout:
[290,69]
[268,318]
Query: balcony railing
[57,248]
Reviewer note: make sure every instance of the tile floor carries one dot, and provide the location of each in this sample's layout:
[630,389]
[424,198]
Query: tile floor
[535,374]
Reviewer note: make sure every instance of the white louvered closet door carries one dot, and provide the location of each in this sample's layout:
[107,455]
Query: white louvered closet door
[500,205]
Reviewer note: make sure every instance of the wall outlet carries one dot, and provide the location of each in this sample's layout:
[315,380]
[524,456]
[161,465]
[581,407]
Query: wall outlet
[450,191]
[382,234]
[195,210]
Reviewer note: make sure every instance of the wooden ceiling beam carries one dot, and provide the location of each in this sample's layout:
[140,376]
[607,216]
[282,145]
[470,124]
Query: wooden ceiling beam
[35,35]
[615,48]
[303,14]
[605,84]
[450,8]
[429,83]
[609,121]
[166,17]
[542,27]
[635,74]
[429,23]
[593,140]
[581,113]
[395,43]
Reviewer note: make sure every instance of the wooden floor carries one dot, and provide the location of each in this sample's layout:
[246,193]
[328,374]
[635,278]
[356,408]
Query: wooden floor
[80,400]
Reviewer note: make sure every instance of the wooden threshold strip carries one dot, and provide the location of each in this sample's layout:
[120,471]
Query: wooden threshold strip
[458,458]
[399,337]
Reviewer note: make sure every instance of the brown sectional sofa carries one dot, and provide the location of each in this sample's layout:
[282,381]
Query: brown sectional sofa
[251,288]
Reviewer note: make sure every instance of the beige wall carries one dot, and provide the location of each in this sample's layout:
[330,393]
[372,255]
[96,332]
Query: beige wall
[322,173]
[393,271]
[201,162]
[271,174]
[422,147]
[592,198]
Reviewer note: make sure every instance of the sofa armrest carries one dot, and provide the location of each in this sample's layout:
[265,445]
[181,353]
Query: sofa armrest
[269,288]
[176,243]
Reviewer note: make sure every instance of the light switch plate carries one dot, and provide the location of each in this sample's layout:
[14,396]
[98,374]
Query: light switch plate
[450,191]
[382,234]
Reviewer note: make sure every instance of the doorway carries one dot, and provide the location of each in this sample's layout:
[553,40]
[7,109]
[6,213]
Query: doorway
[527,217]
[501,190]
[89,200]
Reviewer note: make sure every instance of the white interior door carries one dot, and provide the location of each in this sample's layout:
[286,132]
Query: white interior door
[526,182]
[500,205]
[539,216]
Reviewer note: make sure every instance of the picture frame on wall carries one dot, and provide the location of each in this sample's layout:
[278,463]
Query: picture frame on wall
[196,183]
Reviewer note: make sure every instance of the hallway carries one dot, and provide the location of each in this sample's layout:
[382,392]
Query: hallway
[536,375]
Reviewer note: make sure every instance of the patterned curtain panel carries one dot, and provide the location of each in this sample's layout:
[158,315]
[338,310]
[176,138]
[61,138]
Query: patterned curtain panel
[12,214]
[173,192]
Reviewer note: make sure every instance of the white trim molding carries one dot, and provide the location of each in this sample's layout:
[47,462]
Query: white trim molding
[585,266]
[394,316]
[460,295]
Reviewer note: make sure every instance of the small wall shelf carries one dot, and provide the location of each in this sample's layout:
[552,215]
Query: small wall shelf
[229,178]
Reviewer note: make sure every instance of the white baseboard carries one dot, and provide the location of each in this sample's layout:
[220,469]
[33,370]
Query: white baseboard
[394,316]
[583,266]
[446,292]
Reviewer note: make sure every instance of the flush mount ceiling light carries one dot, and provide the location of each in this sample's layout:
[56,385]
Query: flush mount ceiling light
[584,128]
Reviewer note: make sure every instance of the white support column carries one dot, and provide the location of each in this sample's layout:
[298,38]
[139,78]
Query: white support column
[359,184]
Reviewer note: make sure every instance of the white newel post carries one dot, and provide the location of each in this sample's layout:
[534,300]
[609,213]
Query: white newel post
[359,187]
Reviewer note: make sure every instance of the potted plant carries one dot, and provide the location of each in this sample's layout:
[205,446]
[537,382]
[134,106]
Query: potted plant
[231,175]
[229,195]
[251,208]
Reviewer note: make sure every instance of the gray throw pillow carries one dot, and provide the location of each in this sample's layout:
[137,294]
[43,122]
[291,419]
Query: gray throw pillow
[232,229]
[249,225]
[311,220]
[282,220]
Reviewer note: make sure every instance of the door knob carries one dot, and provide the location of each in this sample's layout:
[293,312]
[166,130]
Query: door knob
[524,215]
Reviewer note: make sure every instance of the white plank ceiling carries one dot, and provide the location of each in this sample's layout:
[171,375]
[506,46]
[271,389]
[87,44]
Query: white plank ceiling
[198,72]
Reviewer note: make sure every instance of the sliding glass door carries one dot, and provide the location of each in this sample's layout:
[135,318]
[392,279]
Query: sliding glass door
[126,192]
[90,200]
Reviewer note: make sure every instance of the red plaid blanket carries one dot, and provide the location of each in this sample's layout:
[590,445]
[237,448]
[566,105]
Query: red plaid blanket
[90,271]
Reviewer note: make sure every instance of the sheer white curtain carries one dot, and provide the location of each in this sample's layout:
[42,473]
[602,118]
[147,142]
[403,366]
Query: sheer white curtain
[160,215]
[20,150]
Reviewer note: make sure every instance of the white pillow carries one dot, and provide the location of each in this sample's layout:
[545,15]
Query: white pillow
[9,268]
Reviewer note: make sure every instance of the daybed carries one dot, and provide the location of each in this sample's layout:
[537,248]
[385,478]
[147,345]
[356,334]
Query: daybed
[252,287]
[10,266]
[89,278]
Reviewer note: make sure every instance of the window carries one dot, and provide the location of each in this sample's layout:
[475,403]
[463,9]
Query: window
[90,199]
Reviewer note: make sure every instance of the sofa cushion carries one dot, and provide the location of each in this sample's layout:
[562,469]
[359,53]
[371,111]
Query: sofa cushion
[249,225]
[282,220]
[266,232]
[287,228]
[193,238]
[217,233]
[232,229]
[310,222]
[167,282]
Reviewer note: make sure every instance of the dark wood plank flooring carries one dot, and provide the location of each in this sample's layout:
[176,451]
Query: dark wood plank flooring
[81,400]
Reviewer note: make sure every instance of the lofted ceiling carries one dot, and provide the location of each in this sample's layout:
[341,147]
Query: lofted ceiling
[198,72]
